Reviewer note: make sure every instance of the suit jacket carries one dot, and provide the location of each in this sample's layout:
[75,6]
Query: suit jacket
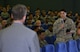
[18,38]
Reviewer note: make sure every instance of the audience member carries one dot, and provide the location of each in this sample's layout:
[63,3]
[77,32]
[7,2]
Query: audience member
[30,16]
[64,27]
[52,17]
[49,12]
[29,23]
[77,34]
[78,22]
[35,28]
[37,15]
[4,24]
[38,23]
[41,36]
[4,14]
[47,21]
[28,10]
[49,31]
[8,8]
[43,15]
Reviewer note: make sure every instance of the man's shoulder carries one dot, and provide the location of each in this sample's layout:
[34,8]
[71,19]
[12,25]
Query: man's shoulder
[29,30]
[69,20]
[19,29]
[30,34]
[58,21]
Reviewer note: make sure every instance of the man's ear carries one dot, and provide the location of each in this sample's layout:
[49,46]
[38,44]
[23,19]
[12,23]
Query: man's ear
[24,18]
[65,13]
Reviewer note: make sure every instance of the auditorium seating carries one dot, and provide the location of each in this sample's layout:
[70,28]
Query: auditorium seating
[72,46]
[61,47]
[49,48]
[69,46]
[78,44]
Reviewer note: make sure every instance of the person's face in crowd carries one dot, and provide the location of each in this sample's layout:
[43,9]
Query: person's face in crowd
[29,21]
[30,16]
[4,23]
[78,20]
[62,14]
[38,23]
[49,12]
[28,7]
[47,20]
[42,36]
[76,14]
[8,7]
[69,14]
[36,29]
[4,10]
[78,25]
[51,28]
[56,12]
[38,10]
[43,12]
[52,14]
[78,31]
[37,13]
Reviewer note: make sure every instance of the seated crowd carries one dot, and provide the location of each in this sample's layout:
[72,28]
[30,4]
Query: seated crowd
[40,21]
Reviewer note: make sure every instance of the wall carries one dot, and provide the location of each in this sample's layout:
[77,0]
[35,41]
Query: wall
[2,2]
[72,5]
[77,6]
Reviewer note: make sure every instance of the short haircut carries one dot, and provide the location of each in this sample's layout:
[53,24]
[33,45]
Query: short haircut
[37,21]
[19,11]
[35,27]
[40,31]
[62,10]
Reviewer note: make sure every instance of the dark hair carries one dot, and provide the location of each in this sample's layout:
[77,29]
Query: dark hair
[34,27]
[18,11]
[62,10]
[40,31]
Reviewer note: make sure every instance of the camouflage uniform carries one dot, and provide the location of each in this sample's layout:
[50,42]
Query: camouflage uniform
[77,37]
[61,34]
[48,33]
[42,43]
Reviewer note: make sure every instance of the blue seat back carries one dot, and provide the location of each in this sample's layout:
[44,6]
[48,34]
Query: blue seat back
[78,44]
[49,48]
[61,47]
[48,39]
[72,46]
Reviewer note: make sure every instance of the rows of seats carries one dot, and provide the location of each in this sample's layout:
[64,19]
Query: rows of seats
[70,46]
[78,43]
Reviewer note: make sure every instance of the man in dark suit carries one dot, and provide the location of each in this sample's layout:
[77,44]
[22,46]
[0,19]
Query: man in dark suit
[18,38]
